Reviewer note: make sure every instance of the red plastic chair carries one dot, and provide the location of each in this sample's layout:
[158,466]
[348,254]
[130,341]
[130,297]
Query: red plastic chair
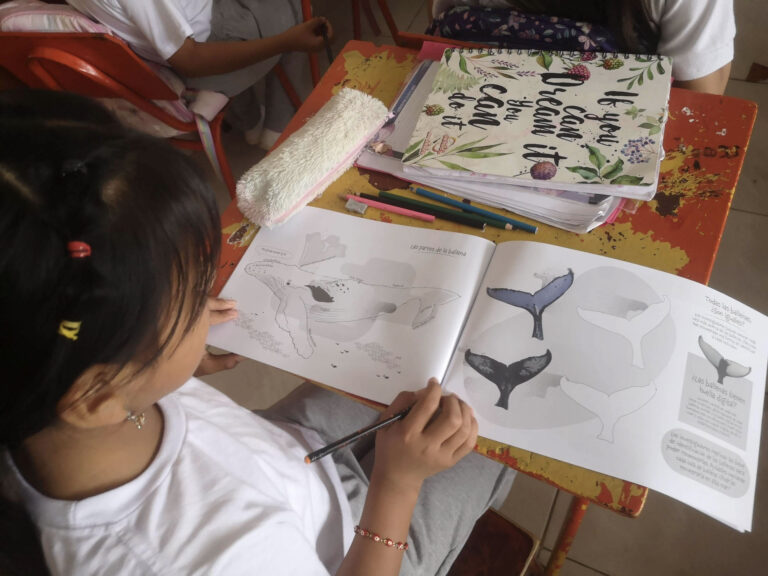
[102,66]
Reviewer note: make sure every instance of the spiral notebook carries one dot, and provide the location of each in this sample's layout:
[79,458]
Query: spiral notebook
[579,121]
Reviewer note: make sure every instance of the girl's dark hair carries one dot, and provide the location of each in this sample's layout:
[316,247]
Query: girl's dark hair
[70,172]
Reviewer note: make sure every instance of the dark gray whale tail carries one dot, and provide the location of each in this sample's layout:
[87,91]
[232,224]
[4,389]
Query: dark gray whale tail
[507,378]
[537,302]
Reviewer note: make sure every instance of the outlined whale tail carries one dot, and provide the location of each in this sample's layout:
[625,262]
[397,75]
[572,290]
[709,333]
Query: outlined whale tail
[632,329]
[609,408]
[723,366]
[318,248]
[429,303]
[537,302]
[507,378]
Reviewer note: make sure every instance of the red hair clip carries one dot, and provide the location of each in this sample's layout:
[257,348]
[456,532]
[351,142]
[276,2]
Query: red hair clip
[78,249]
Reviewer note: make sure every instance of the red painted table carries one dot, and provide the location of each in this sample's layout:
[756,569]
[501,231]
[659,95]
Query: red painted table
[678,232]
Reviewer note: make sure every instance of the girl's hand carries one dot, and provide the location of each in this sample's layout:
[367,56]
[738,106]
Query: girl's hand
[307,37]
[219,311]
[438,432]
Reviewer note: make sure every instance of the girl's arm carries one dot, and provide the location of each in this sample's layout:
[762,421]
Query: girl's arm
[713,83]
[422,444]
[195,59]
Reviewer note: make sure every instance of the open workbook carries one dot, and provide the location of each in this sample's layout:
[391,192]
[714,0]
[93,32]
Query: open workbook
[622,369]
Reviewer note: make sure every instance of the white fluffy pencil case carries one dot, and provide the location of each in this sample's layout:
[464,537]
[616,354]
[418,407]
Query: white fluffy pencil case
[310,159]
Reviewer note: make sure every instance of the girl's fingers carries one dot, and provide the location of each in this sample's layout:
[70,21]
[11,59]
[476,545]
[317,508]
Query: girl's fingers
[221,310]
[447,423]
[221,316]
[211,363]
[216,304]
[402,401]
[458,438]
[424,408]
[469,443]
[328,28]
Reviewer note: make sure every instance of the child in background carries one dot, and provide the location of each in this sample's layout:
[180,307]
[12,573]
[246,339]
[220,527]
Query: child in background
[696,34]
[226,46]
[127,464]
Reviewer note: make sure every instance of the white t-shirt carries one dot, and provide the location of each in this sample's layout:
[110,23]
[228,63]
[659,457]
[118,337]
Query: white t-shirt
[228,493]
[155,29]
[697,34]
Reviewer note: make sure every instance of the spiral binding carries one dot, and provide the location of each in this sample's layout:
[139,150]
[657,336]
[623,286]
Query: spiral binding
[521,51]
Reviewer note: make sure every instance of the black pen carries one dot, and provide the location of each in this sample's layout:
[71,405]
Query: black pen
[341,442]
[324,32]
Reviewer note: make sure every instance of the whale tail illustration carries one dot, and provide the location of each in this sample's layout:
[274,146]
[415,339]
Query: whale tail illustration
[537,302]
[723,366]
[318,249]
[430,300]
[507,378]
[633,329]
[609,408]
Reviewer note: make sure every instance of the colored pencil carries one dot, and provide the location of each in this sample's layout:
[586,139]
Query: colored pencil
[375,203]
[341,442]
[433,209]
[425,206]
[470,208]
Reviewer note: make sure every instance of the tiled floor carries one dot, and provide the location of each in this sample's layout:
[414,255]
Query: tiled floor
[668,538]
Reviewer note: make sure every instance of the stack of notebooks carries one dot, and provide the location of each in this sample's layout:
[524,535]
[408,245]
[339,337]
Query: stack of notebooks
[560,137]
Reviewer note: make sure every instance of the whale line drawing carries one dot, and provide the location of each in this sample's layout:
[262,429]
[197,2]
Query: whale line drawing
[723,366]
[507,378]
[306,297]
[537,302]
[609,408]
[633,328]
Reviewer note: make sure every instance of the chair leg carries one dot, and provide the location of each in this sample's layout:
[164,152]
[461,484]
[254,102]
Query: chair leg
[371,18]
[285,82]
[390,20]
[226,172]
[356,24]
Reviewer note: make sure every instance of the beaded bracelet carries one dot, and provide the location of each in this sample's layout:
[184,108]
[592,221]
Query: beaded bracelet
[388,542]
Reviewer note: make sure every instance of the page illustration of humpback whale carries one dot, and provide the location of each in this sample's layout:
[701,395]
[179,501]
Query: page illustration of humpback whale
[634,328]
[537,302]
[723,366]
[306,298]
[609,408]
[507,378]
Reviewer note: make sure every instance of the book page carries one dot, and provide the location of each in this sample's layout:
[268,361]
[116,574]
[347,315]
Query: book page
[367,307]
[621,369]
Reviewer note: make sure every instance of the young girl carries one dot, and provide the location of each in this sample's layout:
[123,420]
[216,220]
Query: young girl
[125,463]
[698,35]
[227,46]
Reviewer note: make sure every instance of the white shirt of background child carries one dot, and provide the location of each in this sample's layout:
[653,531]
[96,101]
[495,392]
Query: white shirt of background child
[155,29]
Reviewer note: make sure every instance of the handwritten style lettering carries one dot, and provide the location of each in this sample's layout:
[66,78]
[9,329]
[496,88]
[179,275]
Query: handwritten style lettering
[514,107]
[484,111]
[538,152]
[614,97]
[608,126]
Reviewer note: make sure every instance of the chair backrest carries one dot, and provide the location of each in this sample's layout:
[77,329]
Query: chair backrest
[67,57]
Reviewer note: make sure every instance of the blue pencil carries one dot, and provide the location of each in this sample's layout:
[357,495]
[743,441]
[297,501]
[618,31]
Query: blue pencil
[468,207]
